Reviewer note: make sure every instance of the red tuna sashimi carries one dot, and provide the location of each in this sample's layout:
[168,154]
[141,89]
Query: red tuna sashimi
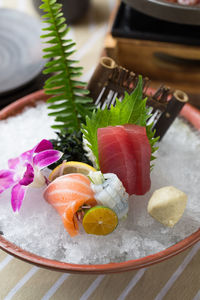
[142,153]
[125,151]
[115,154]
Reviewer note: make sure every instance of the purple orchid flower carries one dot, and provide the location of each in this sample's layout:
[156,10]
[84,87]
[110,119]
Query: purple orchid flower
[24,171]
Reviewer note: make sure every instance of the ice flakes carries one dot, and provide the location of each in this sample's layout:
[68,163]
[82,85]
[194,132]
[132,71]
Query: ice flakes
[39,229]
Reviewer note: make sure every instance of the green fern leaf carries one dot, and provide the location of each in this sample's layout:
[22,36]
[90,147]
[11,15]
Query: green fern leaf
[68,102]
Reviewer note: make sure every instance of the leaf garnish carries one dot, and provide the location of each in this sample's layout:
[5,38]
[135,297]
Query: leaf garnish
[132,110]
[69,101]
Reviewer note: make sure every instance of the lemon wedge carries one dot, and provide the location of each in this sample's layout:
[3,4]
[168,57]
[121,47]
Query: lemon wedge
[71,167]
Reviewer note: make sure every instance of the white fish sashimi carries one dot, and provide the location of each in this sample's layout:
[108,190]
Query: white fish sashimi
[110,193]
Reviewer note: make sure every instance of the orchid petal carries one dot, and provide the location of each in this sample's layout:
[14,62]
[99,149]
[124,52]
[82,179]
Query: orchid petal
[28,176]
[26,156]
[17,196]
[46,158]
[6,179]
[13,162]
[42,146]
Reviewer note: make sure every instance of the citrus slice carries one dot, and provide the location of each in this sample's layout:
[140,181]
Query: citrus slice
[70,167]
[100,220]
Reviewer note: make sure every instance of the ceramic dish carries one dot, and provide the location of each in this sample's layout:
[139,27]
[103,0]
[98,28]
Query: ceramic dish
[16,251]
[20,49]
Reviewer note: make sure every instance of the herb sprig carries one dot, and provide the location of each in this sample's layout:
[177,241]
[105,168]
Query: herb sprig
[69,102]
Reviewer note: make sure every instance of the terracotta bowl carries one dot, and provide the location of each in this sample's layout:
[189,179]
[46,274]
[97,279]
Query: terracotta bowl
[12,249]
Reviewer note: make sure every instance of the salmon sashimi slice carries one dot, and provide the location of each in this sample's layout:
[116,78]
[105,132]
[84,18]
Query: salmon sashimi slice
[67,194]
[126,151]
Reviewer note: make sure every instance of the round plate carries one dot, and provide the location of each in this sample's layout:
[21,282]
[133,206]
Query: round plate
[168,11]
[15,108]
[20,49]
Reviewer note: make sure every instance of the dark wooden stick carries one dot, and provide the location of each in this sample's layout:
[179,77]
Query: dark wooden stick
[174,106]
[101,75]
[110,80]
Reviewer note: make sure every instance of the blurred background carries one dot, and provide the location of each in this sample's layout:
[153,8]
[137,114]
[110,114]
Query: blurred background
[20,44]
[158,39]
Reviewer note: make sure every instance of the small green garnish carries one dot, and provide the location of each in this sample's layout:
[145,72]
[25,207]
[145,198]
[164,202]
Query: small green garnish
[132,110]
[96,177]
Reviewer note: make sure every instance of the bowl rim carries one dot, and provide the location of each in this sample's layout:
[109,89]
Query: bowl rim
[15,108]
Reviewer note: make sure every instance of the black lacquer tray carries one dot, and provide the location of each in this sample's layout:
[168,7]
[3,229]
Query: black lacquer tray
[168,11]
[130,23]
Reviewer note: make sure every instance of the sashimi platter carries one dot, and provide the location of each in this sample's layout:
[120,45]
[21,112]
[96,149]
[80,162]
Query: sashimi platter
[84,185]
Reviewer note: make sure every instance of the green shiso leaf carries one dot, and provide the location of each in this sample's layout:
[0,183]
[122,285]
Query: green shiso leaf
[67,92]
[132,110]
